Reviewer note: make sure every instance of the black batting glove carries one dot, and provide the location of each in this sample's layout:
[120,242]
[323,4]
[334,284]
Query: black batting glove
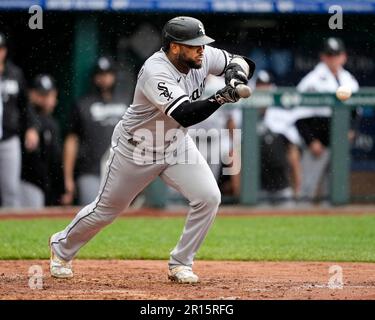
[235,75]
[226,95]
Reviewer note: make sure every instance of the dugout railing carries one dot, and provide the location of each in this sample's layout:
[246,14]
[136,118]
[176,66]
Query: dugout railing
[250,147]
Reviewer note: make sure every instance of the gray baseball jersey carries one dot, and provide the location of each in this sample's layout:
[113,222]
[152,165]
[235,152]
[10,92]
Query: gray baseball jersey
[161,88]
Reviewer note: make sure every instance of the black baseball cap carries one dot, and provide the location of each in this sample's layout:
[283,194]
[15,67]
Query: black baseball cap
[3,40]
[333,46]
[185,30]
[104,64]
[43,83]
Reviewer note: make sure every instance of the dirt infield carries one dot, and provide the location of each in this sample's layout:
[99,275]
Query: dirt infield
[125,279]
[119,279]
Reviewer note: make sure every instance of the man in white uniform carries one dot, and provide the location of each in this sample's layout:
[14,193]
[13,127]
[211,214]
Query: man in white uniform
[280,160]
[151,140]
[313,124]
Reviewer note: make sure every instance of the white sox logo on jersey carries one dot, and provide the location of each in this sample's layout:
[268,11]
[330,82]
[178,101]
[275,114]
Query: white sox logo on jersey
[165,92]
[198,92]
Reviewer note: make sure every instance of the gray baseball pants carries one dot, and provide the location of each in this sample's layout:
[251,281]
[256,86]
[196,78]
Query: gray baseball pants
[10,172]
[314,173]
[124,180]
[31,196]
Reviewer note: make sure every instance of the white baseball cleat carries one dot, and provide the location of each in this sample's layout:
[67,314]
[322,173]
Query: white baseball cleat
[58,267]
[183,274]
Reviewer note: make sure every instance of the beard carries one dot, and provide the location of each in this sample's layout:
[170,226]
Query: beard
[193,65]
[189,62]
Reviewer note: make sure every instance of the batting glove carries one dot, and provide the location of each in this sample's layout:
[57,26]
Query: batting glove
[226,95]
[239,71]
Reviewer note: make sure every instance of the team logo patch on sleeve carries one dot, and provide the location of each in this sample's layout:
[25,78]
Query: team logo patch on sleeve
[164,91]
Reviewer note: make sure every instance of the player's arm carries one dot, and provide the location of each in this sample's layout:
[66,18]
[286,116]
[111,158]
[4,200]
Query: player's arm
[236,69]
[190,113]
[294,160]
[164,93]
[69,160]
[239,71]
[70,151]
[29,122]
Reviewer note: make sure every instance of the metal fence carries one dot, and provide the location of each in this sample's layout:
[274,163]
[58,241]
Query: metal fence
[250,153]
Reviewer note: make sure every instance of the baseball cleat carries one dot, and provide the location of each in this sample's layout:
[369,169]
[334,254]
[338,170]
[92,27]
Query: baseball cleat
[58,267]
[182,274]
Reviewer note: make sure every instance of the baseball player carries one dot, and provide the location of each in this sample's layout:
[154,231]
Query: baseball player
[279,142]
[15,115]
[166,100]
[42,176]
[92,121]
[313,124]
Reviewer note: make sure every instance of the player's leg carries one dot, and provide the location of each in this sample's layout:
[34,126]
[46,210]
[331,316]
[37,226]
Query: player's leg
[312,171]
[31,196]
[325,177]
[123,180]
[10,172]
[197,183]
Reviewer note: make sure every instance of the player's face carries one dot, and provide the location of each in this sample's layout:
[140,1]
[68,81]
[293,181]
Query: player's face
[105,80]
[334,62]
[50,101]
[192,56]
[44,101]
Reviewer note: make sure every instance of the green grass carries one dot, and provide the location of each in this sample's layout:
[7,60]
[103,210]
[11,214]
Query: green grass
[318,238]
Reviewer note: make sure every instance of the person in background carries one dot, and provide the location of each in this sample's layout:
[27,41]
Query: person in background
[15,117]
[42,179]
[209,136]
[90,129]
[314,124]
[280,156]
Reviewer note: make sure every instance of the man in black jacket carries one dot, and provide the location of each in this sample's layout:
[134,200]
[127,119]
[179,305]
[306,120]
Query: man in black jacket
[92,121]
[15,116]
[42,179]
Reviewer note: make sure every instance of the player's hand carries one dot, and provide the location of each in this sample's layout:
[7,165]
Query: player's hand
[31,139]
[226,95]
[316,148]
[235,75]
[68,197]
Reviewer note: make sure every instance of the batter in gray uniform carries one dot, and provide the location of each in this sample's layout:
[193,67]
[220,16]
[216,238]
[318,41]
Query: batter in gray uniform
[151,140]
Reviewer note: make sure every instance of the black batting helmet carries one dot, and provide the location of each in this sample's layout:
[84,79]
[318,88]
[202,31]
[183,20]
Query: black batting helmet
[184,30]
[104,64]
[333,46]
[43,83]
[264,77]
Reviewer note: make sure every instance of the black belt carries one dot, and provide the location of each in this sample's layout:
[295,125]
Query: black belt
[136,143]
